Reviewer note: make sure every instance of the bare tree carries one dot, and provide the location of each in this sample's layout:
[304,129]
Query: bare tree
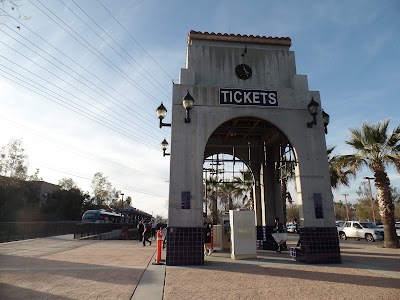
[11,9]
[67,184]
[13,160]
[102,189]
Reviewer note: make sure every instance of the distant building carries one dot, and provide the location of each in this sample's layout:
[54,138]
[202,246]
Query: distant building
[44,190]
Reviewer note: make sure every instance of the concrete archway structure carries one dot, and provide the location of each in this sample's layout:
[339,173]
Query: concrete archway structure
[260,145]
[273,101]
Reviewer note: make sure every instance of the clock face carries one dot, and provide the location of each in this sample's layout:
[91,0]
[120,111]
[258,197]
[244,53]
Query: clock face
[243,71]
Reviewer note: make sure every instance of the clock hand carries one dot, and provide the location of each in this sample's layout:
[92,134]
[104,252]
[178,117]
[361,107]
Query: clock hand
[244,69]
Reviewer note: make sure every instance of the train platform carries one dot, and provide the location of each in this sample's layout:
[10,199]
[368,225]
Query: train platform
[63,268]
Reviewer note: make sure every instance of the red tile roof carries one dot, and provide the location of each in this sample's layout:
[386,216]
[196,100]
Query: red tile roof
[239,38]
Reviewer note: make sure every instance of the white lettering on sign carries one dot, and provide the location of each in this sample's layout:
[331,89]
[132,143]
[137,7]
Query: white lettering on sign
[248,97]
[237,99]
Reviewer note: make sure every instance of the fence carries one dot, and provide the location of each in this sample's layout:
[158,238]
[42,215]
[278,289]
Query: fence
[14,231]
[105,230]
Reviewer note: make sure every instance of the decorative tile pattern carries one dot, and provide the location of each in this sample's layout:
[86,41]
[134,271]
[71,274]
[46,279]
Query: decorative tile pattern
[319,245]
[260,232]
[185,246]
[266,242]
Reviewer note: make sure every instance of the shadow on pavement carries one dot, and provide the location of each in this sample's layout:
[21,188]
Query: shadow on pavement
[12,292]
[297,271]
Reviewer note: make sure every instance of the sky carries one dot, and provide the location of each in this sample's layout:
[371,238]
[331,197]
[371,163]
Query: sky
[80,80]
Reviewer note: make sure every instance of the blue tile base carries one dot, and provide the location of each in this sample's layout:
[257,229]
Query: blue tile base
[265,241]
[185,246]
[319,245]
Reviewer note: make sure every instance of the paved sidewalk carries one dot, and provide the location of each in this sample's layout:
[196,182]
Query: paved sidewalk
[61,268]
[366,272]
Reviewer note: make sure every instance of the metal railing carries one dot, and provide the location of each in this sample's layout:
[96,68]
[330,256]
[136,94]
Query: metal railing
[105,231]
[15,231]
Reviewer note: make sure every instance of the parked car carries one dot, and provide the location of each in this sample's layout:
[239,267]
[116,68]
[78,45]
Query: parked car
[361,230]
[339,224]
[398,229]
[291,228]
[397,225]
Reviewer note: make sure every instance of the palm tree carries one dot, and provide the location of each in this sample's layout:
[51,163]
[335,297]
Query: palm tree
[229,190]
[339,174]
[212,191]
[244,188]
[376,149]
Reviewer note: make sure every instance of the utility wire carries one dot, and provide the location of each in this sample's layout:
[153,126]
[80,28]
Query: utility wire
[109,63]
[168,98]
[112,123]
[135,40]
[84,153]
[80,66]
[114,185]
[55,76]
[82,113]
[102,90]
[73,86]
[36,75]
[63,70]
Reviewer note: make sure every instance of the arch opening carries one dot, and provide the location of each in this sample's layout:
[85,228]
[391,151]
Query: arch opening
[262,156]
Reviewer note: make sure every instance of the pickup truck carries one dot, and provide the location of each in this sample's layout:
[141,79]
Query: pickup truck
[361,230]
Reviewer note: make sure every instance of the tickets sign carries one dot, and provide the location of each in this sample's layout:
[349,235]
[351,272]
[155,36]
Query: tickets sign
[248,97]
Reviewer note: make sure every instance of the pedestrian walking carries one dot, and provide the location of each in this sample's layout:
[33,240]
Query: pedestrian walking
[147,233]
[153,229]
[140,226]
[207,239]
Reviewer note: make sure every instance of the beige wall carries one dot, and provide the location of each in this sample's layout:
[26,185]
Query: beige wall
[210,66]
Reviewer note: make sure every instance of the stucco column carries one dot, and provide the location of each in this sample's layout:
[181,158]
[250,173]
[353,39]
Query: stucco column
[276,183]
[268,189]
[257,197]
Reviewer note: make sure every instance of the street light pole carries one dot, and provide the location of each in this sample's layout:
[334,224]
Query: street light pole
[370,193]
[347,209]
[122,204]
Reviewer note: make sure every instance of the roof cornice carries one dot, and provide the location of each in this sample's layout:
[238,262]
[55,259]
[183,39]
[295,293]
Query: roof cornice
[238,38]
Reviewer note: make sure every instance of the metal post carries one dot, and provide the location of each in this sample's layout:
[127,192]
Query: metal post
[122,204]
[347,209]
[370,193]
[205,193]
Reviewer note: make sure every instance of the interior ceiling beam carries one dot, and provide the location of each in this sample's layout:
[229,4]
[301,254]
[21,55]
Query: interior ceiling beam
[230,129]
[240,132]
[251,129]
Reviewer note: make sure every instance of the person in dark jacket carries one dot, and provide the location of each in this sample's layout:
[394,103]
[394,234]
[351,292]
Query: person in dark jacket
[140,226]
[278,226]
[207,239]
